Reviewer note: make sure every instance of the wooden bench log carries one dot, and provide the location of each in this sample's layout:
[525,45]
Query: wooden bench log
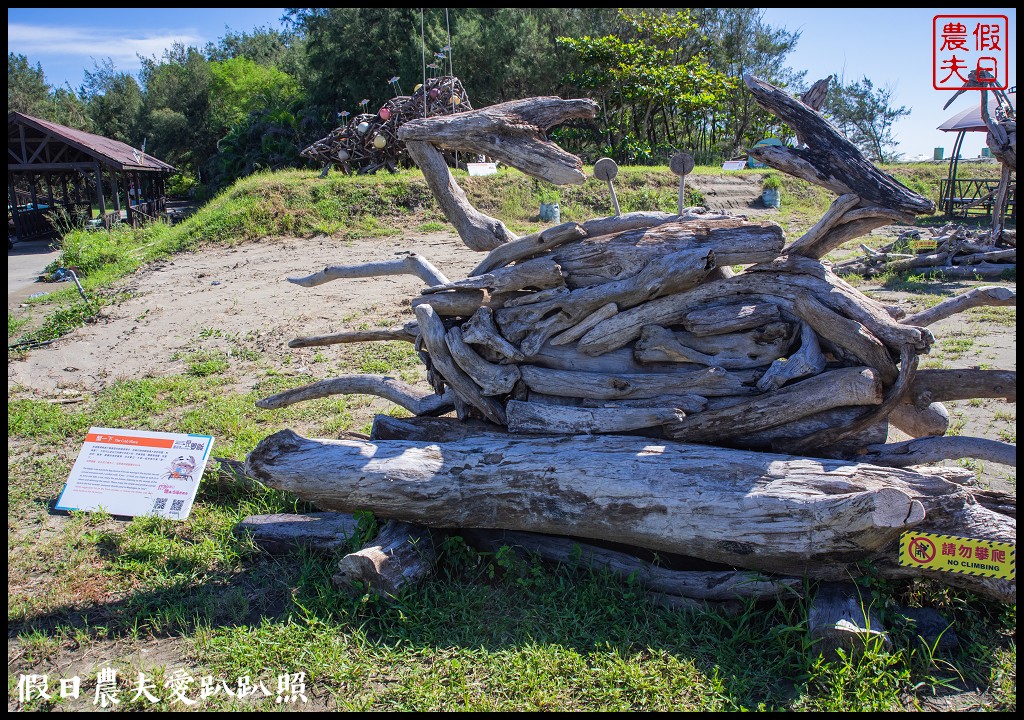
[759,511]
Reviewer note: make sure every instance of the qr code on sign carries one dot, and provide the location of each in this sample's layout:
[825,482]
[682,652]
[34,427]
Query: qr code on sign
[176,506]
[159,503]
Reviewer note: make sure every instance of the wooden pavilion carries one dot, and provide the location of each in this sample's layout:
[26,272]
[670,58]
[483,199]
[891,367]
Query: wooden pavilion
[51,166]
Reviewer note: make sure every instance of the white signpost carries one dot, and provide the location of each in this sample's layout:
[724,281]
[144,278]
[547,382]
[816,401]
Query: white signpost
[133,473]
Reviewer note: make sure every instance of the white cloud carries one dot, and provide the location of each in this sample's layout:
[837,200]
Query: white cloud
[122,44]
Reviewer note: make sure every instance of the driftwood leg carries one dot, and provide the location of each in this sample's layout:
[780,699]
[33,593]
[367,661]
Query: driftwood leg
[401,555]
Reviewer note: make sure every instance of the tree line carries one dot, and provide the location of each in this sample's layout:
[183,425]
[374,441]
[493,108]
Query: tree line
[665,80]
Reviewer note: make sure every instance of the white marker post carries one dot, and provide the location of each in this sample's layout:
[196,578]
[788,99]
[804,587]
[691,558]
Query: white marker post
[606,169]
[681,164]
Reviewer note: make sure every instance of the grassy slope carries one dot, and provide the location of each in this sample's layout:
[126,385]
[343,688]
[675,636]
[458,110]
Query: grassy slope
[490,632]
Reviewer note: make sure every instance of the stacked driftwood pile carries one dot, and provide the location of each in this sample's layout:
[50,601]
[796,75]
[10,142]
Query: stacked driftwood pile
[619,380]
[369,141]
[954,251]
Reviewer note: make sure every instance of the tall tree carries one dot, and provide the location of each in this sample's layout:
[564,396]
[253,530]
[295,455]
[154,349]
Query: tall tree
[177,109]
[27,89]
[866,115]
[650,83]
[114,103]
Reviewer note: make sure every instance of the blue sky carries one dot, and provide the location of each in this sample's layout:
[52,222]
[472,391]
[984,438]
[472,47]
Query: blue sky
[892,47]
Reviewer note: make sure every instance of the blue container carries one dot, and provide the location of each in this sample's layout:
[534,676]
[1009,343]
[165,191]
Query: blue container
[771,198]
[550,212]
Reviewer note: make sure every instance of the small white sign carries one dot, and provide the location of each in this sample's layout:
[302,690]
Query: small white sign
[133,473]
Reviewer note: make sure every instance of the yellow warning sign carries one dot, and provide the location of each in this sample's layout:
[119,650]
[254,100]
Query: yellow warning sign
[958,554]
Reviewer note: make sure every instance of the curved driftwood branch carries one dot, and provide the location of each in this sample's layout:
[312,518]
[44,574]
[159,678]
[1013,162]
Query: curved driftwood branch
[805,245]
[407,332]
[411,264]
[434,340]
[832,160]
[978,297]
[382,386]
[528,246]
[922,451]
[477,230]
[759,511]
[698,584]
[512,132]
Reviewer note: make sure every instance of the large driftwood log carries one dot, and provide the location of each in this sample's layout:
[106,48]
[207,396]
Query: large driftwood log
[512,132]
[838,388]
[606,258]
[773,513]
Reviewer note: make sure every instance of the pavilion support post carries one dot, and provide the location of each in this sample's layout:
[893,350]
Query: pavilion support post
[99,190]
[13,195]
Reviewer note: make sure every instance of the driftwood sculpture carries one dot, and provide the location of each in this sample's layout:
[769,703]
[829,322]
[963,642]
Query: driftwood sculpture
[369,141]
[617,379]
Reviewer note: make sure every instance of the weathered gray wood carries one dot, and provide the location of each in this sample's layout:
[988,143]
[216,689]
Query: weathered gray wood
[981,271]
[697,584]
[849,335]
[477,230]
[830,159]
[401,556]
[433,333]
[988,295]
[918,422]
[781,437]
[841,617]
[513,132]
[921,451]
[411,264]
[964,384]
[568,357]
[844,231]
[533,417]
[528,246]
[805,244]
[285,532]
[407,333]
[893,396]
[493,379]
[759,511]
[534,324]
[434,430]
[459,303]
[730,318]
[837,388]
[822,286]
[383,386]
[709,381]
[738,351]
[605,258]
[596,227]
[481,330]
[583,326]
[807,360]
[538,274]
